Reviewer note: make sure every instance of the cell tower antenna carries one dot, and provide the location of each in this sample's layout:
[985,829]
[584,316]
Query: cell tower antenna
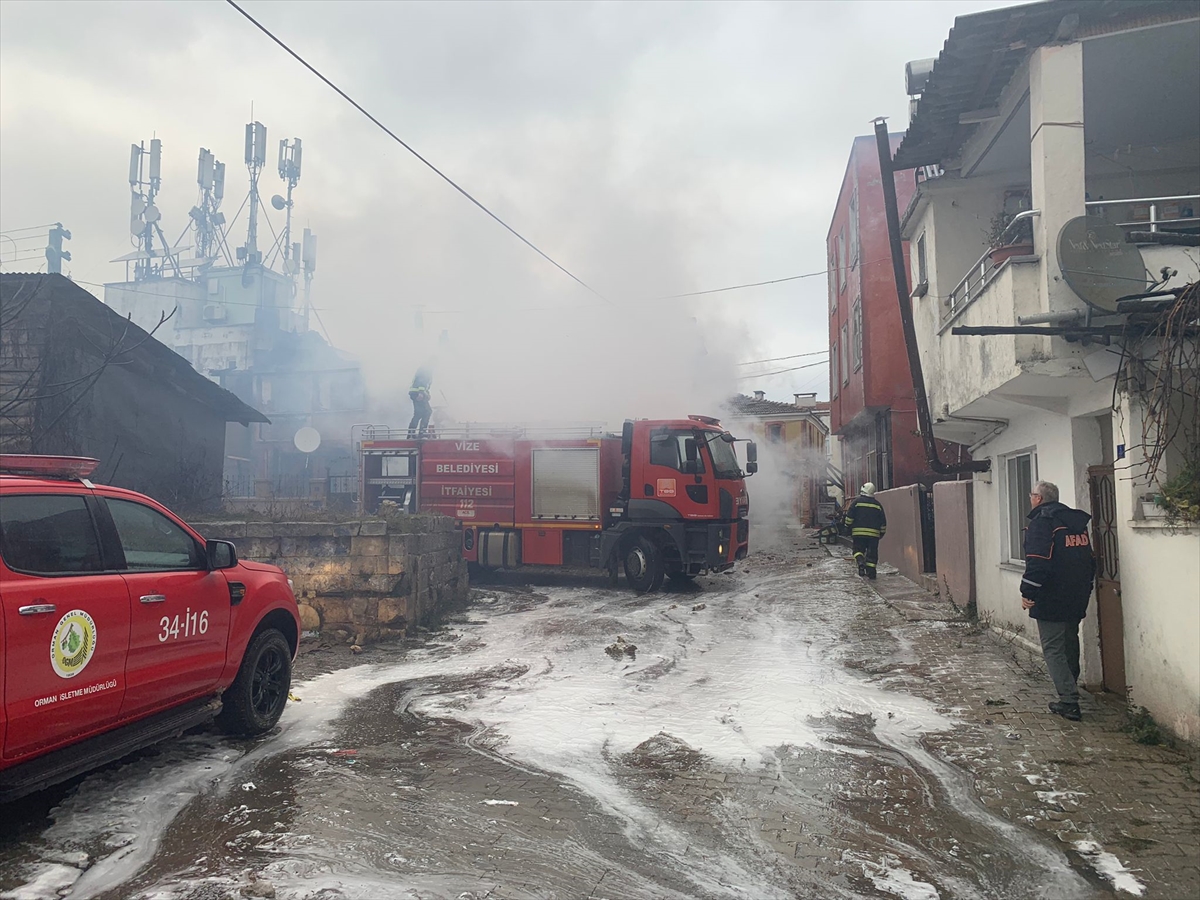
[145,180]
[289,171]
[206,215]
[256,158]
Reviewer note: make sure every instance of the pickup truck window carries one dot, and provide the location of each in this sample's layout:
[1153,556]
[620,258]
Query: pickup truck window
[151,541]
[48,534]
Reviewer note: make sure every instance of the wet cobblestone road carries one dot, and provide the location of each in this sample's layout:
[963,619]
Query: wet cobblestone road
[785,731]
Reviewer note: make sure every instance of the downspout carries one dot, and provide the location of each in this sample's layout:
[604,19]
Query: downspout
[900,270]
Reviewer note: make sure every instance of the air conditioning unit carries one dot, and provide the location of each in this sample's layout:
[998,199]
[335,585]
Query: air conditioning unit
[214,312]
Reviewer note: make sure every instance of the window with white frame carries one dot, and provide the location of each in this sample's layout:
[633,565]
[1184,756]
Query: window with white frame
[854,228]
[922,261]
[856,333]
[1020,475]
[845,354]
[841,252]
[833,281]
[834,380]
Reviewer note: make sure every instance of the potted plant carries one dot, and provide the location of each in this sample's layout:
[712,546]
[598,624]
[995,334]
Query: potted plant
[1007,242]
[1179,498]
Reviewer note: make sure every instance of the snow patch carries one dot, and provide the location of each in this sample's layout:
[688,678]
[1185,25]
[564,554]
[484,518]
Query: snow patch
[502,802]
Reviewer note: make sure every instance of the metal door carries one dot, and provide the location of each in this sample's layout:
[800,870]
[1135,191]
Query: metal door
[1108,578]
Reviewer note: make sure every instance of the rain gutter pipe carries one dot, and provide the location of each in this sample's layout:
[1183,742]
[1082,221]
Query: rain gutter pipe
[900,270]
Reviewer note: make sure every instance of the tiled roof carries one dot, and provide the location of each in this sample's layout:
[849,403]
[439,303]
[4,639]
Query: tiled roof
[751,406]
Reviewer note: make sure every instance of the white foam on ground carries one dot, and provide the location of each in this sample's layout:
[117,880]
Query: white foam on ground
[1110,867]
[889,876]
[49,881]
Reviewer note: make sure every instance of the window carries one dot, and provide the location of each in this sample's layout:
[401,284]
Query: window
[775,433]
[854,228]
[669,448]
[151,541]
[834,381]
[922,261]
[48,534]
[856,325]
[841,252]
[833,282]
[1020,473]
[845,355]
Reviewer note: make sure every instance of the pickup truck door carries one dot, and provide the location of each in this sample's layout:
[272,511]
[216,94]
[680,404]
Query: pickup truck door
[179,610]
[66,623]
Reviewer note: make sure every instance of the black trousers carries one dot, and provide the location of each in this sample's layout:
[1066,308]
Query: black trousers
[866,554]
[422,412]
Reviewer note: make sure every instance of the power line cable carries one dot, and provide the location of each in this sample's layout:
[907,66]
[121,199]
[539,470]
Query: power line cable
[28,228]
[296,56]
[755,362]
[738,287]
[823,362]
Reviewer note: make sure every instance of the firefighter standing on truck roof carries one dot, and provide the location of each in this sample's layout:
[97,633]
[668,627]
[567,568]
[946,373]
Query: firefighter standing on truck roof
[867,523]
[419,394]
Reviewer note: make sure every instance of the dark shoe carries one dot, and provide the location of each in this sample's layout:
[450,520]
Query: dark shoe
[1066,710]
[862,570]
[870,574]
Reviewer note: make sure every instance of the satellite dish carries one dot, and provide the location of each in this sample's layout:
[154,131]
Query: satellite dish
[1098,263]
[307,439]
[278,202]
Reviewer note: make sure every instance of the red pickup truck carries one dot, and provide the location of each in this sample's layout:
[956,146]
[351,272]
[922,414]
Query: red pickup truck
[121,626]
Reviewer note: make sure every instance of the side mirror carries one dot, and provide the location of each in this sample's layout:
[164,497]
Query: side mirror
[221,555]
[751,458]
[627,438]
[727,437]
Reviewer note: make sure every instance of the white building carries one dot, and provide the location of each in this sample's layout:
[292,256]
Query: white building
[1061,110]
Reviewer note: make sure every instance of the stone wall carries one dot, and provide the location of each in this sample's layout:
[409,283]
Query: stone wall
[366,579]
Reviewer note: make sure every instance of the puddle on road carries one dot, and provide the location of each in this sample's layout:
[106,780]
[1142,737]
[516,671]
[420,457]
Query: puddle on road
[505,759]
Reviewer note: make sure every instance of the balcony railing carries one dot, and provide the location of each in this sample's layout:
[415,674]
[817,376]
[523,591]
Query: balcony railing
[1153,214]
[1177,213]
[978,276]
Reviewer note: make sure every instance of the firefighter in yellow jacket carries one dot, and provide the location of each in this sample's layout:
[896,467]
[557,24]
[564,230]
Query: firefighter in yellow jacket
[867,523]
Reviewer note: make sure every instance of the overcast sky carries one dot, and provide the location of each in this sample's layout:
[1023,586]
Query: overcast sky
[651,148]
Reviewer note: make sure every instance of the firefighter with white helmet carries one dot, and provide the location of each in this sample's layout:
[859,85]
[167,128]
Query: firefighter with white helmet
[867,523]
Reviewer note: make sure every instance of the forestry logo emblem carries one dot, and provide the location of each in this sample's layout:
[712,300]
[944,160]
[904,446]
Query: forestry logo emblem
[73,644]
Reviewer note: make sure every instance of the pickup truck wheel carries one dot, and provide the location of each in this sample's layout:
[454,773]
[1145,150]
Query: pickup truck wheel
[255,700]
[644,566]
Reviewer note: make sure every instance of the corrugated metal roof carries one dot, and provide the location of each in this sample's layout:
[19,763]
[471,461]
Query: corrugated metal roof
[984,50]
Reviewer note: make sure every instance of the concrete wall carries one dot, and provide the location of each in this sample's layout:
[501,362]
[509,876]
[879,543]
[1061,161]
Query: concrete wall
[366,580]
[1160,598]
[903,545]
[954,533]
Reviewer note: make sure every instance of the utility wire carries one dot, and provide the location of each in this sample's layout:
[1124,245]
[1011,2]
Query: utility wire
[738,287]
[755,362]
[823,362]
[296,56]
[29,228]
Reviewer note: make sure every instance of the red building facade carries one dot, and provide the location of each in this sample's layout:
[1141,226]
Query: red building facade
[872,404]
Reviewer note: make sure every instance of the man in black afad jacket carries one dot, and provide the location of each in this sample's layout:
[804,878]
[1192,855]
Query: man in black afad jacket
[1056,587]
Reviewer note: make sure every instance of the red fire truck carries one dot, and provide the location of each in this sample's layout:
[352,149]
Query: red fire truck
[665,498]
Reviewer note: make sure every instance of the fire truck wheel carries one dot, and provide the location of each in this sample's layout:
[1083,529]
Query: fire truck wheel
[255,700]
[644,566]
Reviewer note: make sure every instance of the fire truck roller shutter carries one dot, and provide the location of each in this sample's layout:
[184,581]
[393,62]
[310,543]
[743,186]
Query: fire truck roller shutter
[499,549]
[566,483]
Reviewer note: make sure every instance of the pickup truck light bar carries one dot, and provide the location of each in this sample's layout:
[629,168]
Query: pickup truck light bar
[72,468]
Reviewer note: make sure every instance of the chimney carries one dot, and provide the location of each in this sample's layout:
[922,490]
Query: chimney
[762,395]
[806,401]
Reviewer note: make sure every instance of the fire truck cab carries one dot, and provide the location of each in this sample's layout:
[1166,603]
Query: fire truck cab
[665,498]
